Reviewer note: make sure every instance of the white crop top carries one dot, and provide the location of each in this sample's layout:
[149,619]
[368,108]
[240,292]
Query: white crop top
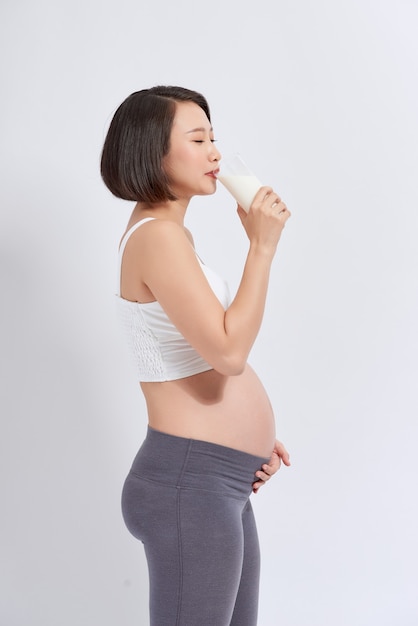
[160,351]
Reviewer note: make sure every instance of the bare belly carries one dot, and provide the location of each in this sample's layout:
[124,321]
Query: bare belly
[232,411]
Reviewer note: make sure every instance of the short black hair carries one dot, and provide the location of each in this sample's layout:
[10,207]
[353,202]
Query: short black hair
[137,141]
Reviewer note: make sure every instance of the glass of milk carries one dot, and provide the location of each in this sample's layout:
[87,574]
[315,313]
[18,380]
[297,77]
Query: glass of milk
[239,180]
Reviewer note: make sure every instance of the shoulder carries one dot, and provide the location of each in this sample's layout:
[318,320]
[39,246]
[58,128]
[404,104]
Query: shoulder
[156,229]
[160,238]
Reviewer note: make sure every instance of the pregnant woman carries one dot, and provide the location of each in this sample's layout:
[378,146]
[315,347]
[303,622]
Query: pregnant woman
[211,430]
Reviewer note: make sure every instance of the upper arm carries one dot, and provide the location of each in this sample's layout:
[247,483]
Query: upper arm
[170,269]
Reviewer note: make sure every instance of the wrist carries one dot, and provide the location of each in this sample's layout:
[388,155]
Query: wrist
[262,251]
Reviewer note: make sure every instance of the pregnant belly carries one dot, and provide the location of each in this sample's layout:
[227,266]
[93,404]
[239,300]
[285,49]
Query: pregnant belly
[233,411]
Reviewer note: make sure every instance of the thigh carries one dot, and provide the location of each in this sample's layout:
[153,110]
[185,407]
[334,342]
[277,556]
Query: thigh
[194,545]
[150,512]
[212,552]
[246,605]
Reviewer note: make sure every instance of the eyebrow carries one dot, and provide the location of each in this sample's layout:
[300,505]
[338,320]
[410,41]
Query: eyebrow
[201,129]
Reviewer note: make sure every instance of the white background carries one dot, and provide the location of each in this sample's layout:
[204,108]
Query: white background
[321,99]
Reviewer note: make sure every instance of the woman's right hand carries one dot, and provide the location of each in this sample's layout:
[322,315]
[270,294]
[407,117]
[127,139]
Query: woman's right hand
[265,220]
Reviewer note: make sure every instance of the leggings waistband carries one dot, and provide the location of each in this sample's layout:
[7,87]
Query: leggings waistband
[195,464]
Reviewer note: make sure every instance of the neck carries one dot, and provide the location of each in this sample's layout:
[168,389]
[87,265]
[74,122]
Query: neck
[174,210]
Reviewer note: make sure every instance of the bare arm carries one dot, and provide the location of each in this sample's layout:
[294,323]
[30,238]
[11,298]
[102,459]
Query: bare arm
[171,271]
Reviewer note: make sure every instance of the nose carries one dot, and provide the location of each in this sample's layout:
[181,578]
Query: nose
[216,155]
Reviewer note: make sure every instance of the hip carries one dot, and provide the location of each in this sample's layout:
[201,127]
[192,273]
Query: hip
[184,463]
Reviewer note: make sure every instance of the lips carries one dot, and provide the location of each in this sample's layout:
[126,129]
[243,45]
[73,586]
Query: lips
[213,173]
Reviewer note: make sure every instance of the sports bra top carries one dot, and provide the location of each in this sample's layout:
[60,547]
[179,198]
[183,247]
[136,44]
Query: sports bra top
[159,350]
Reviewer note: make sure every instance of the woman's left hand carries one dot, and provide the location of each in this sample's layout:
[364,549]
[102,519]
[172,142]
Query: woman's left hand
[279,455]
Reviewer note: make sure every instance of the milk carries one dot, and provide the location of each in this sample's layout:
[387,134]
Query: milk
[242,187]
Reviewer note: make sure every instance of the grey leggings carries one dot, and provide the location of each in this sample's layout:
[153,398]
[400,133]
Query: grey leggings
[188,502]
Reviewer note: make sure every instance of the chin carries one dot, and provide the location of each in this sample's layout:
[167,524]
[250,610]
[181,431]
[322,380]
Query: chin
[206,193]
[211,191]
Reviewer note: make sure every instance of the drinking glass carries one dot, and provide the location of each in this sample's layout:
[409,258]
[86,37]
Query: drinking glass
[238,179]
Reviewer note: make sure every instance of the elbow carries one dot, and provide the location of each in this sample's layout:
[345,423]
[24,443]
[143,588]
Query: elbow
[231,366]
[238,370]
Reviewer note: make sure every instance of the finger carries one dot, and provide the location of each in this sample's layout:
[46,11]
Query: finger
[280,207]
[276,202]
[262,195]
[285,214]
[256,486]
[273,465]
[281,451]
[285,457]
[241,212]
[266,469]
[263,476]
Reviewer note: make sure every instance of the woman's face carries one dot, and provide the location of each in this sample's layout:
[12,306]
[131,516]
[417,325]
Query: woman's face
[192,161]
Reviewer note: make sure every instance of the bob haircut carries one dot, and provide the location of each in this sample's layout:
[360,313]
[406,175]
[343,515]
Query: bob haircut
[137,141]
